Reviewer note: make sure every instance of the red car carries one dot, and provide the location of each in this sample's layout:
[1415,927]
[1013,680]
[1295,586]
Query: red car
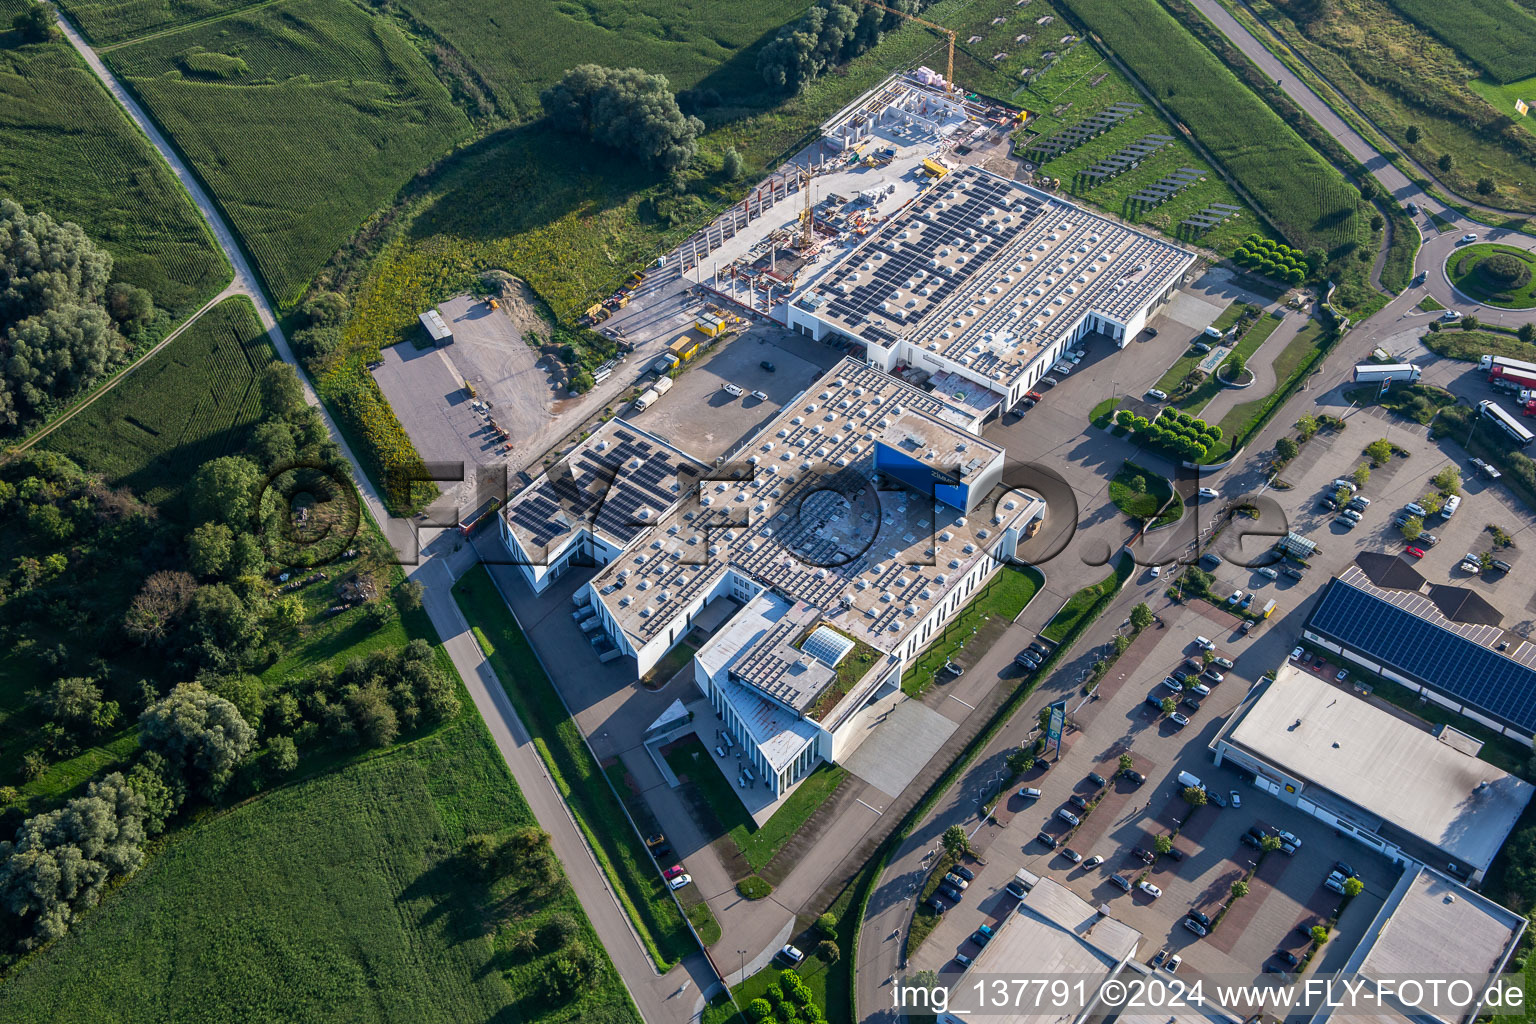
[1416,552]
[672,872]
[1037,396]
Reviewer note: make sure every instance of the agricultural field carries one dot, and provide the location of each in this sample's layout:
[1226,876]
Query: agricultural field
[335,898]
[1402,77]
[302,117]
[68,150]
[1306,199]
[517,48]
[105,22]
[195,400]
[1082,82]
[1496,35]
[1502,98]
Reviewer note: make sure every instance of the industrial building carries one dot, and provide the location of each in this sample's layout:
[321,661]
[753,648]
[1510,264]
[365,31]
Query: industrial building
[1055,934]
[1416,795]
[1409,940]
[863,516]
[990,281]
[437,329]
[1440,641]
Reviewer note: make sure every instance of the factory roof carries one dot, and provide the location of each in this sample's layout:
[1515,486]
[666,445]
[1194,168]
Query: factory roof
[1426,785]
[1408,631]
[1054,933]
[1431,907]
[808,517]
[779,732]
[987,272]
[432,320]
[615,482]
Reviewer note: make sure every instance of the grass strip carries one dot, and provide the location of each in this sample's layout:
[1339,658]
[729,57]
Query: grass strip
[1004,596]
[575,771]
[1071,617]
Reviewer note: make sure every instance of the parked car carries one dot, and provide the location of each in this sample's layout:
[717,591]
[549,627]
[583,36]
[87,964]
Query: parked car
[1068,817]
[1097,779]
[1199,917]
[1093,862]
[1079,801]
[673,871]
[1038,648]
[1222,662]
[1171,965]
[1174,853]
[1499,565]
[1247,601]
[1294,573]
[1214,676]
[1204,644]
[1196,926]
[1208,492]
[1251,840]
[1121,881]
[1192,702]
[1158,958]
[1428,540]
[965,872]
[1173,684]
[1049,382]
[679,882]
[950,893]
[760,396]
[1237,595]
[1217,799]
[1344,869]
[1288,958]
[1413,508]
[1202,347]
[1341,675]
[765,364]
[1298,654]
[1415,552]
[1267,572]
[1161,396]
[1143,855]
[1149,889]
[956,881]
[962,959]
[1179,719]
[791,954]
[983,935]
[936,905]
[1029,793]
[1071,855]
[1048,840]
[1134,777]
[1026,661]
[658,839]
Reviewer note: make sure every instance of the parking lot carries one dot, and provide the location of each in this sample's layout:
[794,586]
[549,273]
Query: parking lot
[703,419]
[1285,892]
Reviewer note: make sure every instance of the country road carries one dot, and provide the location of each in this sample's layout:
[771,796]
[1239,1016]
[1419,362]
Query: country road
[655,995]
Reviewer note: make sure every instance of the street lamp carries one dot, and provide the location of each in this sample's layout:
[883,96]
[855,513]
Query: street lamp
[743,954]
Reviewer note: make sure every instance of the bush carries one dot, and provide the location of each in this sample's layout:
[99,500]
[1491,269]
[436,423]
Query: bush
[827,925]
[828,951]
[754,888]
[758,1010]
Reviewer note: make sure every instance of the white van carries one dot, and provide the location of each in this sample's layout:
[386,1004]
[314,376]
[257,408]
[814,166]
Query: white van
[1451,505]
[1212,332]
[1186,780]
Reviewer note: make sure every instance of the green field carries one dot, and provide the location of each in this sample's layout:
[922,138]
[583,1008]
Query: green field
[1143,502]
[332,899]
[195,400]
[517,48]
[1079,604]
[757,844]
[68,150]
[1307,200]
[104,22]
[302,118]
[1400,76]
[1503,97]
[575,772]
[1496,35]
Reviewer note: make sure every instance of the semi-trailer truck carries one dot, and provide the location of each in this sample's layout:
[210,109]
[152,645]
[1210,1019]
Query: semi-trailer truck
[1514,370]
[1375,373]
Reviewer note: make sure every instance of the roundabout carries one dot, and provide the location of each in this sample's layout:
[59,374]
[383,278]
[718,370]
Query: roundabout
[1497,275]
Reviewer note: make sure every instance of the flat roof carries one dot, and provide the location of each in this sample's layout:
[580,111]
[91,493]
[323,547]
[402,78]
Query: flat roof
[812,522]
[1433,907]
[780,733]
[1055,932]
[615,482]
[1430,789]
[1408,631]
[987,272]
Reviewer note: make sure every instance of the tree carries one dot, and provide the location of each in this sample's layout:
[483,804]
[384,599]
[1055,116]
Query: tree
[1127,762]
[1379,451]
[759,1010]
[61,861]
[1377,222]
[1445,162]
[224,490]
[1485,186]
[200,735]
[208,548]
[1316,260]
[129,307]
[1353,887]
[158,604]
[410,594]
[1361,475]
[1162,844]
[1470,323]
[1194,795]
[1448,480]
[281,392]
[327,309]
[1412,134]
[1020,760]
[627,110]
[828,951]
[35,24]
[1239,889]
[1269,844]
[1287,449]
[1412,528]
[376,721]
[1527,333]
[161,789]
[1169,705]
[282,756]
[1308,425]
[956,841]
[1141,616]
[731,164]
[827,924]
[220,631]
[1319,934]
[77,704]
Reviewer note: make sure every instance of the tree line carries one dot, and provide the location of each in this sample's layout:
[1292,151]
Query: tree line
[64,323]
[832,32]
[627,110]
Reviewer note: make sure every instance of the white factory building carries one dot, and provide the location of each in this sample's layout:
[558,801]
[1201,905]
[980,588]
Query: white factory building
[990,281]
[871,516]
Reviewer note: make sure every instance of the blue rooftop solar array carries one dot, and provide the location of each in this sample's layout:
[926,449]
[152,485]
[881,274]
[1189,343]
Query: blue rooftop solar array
[1451,664]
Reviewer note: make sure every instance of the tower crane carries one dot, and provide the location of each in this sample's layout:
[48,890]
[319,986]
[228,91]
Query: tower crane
[949,66]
